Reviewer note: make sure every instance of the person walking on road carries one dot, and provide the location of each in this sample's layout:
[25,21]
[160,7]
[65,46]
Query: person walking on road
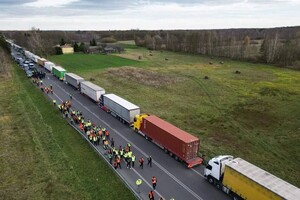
[154,181]
[149,161]
[132,160]
[141,161]
[151,195]
[112,143]
[119,162]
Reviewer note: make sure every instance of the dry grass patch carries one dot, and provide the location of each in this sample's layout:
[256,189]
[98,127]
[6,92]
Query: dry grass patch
[132,56]
[143,76]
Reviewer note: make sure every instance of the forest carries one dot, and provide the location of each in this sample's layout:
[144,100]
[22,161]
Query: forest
[278,46]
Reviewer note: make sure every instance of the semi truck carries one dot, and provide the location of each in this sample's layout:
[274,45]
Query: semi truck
[91,90]
[120,108]
[73,80]
[41,61]
[35,58]
[178,143]
[59,72]
[49,65]
[243,180]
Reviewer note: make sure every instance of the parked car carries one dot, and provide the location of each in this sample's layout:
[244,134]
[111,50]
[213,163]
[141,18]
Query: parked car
[29,74]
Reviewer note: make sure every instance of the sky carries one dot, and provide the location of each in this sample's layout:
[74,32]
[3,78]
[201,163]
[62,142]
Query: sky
[147,14]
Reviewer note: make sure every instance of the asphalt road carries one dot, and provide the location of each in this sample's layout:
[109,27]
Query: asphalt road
[174,180]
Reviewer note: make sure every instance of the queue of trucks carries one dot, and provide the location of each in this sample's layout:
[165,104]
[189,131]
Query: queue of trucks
[234,176]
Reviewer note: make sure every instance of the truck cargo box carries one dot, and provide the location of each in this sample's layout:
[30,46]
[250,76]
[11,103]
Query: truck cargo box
[59,72]
[35,58]
[251,182]
[49,65]
[180,143]
[41,61]
[27,54]
[121,107]
[73,79]
[91,90]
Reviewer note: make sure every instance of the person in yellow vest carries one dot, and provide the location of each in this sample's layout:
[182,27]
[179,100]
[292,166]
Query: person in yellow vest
[130,154]
[91,138]
[105,144]
[121,153]
[95,139]
[132,160]
[103,139]
[129,159]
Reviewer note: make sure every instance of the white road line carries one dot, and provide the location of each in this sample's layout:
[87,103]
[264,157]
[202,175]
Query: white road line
[127,140]
[198,173]
[148,183]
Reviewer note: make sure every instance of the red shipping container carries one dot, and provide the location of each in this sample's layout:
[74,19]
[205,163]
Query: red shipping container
[180,143]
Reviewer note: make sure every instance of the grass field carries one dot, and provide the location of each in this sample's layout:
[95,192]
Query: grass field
[86,63]
[41,156]
[254,115]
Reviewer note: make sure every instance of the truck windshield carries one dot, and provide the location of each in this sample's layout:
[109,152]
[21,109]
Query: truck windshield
[209,167]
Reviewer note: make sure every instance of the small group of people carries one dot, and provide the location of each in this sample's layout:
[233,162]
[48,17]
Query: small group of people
[38,75]
[39,83]
[121,153]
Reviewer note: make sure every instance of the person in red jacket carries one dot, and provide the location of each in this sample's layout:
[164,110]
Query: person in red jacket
[154,181]
[141,161]
[151,195]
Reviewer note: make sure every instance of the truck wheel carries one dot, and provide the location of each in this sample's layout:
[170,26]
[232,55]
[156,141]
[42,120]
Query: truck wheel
[235,197]
[136,130]
[210,180]
[176,158]
[218,186]
[166,150]
[146,137]
[171,154]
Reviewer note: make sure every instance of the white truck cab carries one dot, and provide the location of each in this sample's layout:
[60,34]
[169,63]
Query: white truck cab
[214,170]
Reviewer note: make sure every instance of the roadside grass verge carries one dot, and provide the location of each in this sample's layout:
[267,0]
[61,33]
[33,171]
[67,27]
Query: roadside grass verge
[42,157]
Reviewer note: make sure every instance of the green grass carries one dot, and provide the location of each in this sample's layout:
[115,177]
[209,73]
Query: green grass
[80,63]
[254,115]
[42,157]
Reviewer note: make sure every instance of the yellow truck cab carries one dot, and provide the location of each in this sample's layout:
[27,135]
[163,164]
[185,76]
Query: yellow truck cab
[138,121]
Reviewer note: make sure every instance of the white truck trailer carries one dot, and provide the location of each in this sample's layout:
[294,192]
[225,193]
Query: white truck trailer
[243,180]
[91,90]
[49,65]
[73,79]
[120,108]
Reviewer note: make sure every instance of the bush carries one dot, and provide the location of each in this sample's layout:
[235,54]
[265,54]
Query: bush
[108,40]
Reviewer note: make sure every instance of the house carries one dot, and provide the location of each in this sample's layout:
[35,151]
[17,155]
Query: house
[66,49]
[111,48]
[94,49]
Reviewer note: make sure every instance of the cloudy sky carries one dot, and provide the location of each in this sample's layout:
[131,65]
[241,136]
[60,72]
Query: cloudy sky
[147,14]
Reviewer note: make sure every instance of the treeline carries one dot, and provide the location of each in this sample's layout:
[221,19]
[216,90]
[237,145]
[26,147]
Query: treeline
[279,46]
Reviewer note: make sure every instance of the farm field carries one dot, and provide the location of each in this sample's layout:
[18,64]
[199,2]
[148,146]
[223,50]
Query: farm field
[253,114]
[41,156]
[81,63]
